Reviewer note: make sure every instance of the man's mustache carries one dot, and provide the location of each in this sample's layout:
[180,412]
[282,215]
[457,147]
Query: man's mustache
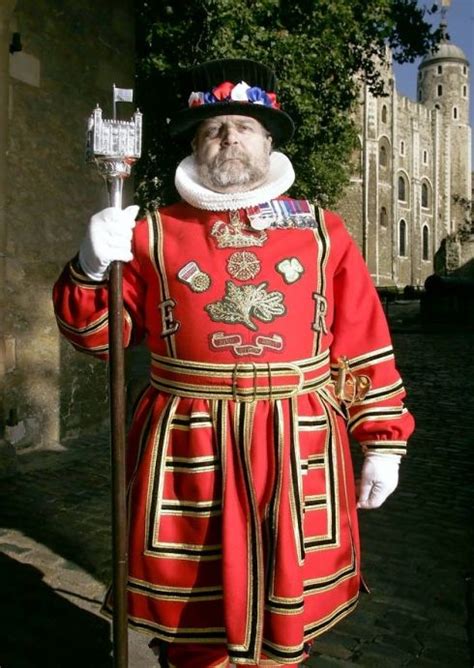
[229,153]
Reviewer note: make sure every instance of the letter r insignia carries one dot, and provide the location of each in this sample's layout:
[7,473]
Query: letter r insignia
[320,310]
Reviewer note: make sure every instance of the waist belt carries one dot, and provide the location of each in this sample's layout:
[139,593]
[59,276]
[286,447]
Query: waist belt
[243,381]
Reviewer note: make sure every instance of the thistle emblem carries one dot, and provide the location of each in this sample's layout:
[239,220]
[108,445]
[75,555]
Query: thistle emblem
[241,303]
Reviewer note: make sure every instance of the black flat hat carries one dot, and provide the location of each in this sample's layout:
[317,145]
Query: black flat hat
[231,86]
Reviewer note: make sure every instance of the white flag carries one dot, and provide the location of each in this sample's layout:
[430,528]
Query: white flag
[123,94]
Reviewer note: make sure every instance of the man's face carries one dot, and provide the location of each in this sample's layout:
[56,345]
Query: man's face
[232,153]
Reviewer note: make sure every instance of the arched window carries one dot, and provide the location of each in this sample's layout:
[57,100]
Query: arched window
[464,69]
[383,217]
[402,189]
[425,196]
[402,238]
[383,160]
[440,90]
[384,114]
[425,243]
[440,69]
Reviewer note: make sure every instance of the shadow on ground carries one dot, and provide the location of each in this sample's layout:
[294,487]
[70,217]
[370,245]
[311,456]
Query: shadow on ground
[40,628]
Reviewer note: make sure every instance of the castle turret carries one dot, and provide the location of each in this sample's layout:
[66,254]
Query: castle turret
[443,86]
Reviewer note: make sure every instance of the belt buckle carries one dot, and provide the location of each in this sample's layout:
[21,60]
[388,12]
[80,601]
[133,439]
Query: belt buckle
[235,390]
[300,375]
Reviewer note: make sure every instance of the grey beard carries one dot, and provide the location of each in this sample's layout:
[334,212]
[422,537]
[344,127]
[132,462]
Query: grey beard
[222,173]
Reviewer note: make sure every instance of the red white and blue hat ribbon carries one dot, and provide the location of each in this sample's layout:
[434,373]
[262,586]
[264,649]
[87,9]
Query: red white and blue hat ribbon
[230,92]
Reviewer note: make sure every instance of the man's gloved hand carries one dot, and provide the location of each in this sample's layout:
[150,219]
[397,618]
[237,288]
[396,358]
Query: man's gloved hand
[108,238]
[379,478]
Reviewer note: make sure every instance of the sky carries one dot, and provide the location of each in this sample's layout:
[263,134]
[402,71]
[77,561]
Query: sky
[460,19]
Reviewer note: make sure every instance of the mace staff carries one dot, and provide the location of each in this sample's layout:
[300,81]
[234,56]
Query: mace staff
[113,146]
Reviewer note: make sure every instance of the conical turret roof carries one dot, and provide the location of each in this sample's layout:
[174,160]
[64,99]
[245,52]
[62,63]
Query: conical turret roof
[445,51]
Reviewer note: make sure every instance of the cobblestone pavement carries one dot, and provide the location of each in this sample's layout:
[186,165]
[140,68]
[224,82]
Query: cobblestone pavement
[418,549]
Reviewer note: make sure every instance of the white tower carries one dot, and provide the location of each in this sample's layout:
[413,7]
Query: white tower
[443,86]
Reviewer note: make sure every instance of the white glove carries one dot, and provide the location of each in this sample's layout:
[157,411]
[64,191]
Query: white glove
[379,478]
[108,238]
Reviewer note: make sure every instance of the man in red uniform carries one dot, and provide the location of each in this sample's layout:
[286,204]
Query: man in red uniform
[268,345]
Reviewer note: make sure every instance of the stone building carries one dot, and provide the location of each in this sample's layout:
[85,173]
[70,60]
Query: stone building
[57,60]
[413,165]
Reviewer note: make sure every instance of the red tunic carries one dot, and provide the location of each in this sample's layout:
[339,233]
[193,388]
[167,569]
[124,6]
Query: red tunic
[243,529]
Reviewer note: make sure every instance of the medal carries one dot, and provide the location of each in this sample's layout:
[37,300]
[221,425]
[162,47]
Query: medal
[281,214]
[261,216]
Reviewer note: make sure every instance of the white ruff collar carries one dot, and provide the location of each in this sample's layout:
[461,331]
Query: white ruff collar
[280,177]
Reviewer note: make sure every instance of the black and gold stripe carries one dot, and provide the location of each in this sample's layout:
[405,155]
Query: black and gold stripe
[254,619]
[191,508]
[388,447]
[367,359]
[91,328]
[79,278]
[192,464]
[155,494]
[156,237]
[323,625]
[296,491]
[318,585]
[168,593]
[376,414]
[323,246]
[382,393]
[331,539]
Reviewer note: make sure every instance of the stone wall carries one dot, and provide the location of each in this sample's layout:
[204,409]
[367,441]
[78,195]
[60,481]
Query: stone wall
[71,55]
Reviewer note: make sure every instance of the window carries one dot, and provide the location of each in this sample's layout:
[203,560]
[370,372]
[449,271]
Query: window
[464,70]
[402,148]
[440,90]
[384,114]
[402,190]
[425,196]
[425,157]
[383,156]
[440,69]
[383,217]
[402,238]
[455,113]
[425,243]
[464,91]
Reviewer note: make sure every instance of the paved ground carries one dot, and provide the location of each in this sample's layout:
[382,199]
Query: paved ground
[54,538]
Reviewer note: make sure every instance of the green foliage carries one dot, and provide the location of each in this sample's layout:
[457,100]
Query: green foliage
[321,50]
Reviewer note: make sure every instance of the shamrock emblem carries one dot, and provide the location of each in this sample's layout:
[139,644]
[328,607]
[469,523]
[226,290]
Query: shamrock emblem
[290,269]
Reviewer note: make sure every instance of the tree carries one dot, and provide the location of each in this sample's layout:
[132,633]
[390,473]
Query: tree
[322,50]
